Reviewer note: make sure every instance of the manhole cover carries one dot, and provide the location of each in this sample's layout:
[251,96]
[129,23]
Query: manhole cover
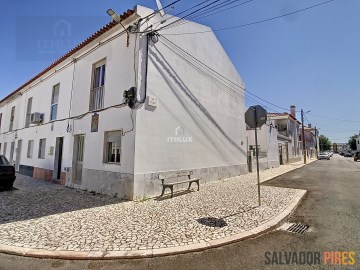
[298,228]
[212,222]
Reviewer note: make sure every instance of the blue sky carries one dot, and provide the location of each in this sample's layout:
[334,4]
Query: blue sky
[309,59]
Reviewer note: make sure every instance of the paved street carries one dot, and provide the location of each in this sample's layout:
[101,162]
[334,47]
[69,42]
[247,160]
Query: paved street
[50,217]
[331,208]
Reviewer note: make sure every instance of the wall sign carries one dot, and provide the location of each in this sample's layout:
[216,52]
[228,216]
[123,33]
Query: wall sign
[94,122]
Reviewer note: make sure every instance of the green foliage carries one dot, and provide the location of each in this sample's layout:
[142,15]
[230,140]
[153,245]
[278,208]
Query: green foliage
[325,143]
[352,142]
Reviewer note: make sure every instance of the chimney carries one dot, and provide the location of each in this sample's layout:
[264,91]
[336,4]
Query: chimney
[293,110]
[309,125]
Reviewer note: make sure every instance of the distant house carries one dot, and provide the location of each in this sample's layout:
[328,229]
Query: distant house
[72,124]
[358,143]
[267,146]
[339,147]
[288,137]
[311,141]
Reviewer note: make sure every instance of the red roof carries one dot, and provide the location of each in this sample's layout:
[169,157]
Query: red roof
[94,36]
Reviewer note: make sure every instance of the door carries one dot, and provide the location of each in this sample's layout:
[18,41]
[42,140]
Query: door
[281,155]
[287,152]
[78,158]
[58,158]
[18,155]
[12,148]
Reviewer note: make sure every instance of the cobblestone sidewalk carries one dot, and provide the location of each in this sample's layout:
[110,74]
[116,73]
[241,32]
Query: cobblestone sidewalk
[41,215]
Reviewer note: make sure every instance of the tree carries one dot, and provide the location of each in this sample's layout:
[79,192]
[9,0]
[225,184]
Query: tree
[352,142]
[325,143]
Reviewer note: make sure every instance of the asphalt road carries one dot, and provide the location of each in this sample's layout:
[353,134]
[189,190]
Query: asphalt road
[331,208]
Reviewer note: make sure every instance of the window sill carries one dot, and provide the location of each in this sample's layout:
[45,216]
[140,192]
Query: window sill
[112,163]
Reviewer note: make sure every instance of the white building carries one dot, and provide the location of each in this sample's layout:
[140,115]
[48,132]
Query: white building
[267,146]
[289,143]
[70,123]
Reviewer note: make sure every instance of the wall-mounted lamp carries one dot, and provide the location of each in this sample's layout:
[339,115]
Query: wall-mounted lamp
[117,19]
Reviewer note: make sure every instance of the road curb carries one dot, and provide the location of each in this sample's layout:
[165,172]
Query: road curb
[96,255]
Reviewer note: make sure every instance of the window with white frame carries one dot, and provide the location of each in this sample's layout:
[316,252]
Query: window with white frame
[97,86]
[54,102]
[42,144]
[28,112]
[12,116]
[112,147]
[30,149]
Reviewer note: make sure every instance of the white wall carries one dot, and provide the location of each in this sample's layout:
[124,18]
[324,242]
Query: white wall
[267,139]
[119,76]
[188,99]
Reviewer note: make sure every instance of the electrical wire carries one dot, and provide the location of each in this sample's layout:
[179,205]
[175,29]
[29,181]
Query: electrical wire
[77,117]
[187,15]
[210,12]
[230,82]
[251,23]
[335,119]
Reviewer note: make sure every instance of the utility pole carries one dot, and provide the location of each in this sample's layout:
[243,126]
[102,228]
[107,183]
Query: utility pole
[316,144]
[303,135]
[257,155]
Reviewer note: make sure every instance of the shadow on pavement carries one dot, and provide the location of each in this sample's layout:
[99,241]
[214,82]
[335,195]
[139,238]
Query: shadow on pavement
[32,198]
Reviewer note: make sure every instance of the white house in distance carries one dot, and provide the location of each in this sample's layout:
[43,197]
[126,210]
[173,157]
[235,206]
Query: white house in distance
[289,142]
[71,123]
[267,144]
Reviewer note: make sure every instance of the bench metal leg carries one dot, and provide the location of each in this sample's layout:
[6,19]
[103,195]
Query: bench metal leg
[172,192]
[197,182]
[163,190]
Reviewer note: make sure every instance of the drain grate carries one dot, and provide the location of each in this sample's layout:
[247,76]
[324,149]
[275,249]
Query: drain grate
[298,228]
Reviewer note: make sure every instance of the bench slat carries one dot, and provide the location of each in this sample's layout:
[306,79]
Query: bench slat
[174,175]
[181,182]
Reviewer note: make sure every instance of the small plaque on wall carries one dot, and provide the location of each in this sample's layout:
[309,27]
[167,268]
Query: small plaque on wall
[94,122]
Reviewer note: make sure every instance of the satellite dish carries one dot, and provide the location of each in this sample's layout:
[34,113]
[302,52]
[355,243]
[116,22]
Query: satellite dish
[160,8]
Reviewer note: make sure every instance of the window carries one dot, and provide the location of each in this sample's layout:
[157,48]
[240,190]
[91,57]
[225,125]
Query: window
[41,153]
[97,86]
[0,120]
[54,102]
[30,149]
[28,112]
[5,146]
[12,116]
[112,147]
[0,146]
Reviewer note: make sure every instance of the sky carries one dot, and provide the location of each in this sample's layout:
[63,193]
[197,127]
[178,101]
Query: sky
[309,59]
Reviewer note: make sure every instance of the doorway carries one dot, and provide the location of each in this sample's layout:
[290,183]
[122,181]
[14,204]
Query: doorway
[18,155]
[281,155]
[78,158]
[58,158]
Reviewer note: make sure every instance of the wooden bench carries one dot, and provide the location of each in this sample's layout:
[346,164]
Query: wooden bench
[177,175]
